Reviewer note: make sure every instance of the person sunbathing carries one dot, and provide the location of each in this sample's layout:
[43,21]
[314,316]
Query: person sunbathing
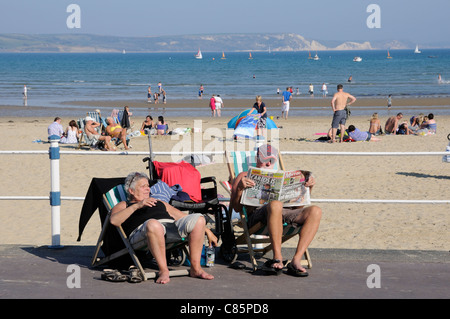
[91,132]
[116,131]
[357,135]
[143,218]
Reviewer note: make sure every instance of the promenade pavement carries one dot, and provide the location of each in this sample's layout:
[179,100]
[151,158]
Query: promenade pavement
[40,272]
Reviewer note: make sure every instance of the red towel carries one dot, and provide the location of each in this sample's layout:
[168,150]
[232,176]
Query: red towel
[184,174]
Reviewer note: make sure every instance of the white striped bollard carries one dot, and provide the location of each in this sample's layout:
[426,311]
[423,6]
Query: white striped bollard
[55,193]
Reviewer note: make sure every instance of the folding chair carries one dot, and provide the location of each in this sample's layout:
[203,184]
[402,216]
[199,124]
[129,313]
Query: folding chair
[97,118]
[110,199]
[238,162]
[84,139]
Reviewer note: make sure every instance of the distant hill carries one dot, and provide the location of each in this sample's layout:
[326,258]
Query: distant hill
[73,43]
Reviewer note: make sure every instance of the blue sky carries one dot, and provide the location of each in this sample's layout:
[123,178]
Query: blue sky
[345,20]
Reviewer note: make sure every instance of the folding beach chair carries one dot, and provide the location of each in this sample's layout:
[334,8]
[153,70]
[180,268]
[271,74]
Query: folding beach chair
[97,118]
[112,198]
[84,139]
[238,162]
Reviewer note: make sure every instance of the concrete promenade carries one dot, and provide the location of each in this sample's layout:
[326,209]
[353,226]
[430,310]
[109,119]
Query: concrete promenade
[39,272]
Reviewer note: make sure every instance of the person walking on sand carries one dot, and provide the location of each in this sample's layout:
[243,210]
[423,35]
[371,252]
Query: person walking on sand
[286,100]
[212,105]
[324,90]
[340,100]
[25,92]
[219,105]
[389,101]
[149,94]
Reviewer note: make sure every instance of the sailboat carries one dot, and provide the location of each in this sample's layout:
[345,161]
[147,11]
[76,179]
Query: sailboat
[316,57]
[389,56]
[309,55]
[223,56]
[250,56]
[417,49]
[199,55]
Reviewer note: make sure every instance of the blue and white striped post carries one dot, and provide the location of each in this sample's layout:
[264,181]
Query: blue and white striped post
[55,193]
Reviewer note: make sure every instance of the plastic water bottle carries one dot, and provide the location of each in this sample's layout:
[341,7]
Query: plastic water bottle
[210,256]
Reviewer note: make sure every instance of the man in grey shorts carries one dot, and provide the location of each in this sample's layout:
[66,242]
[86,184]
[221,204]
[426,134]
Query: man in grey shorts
[274,215]
[340,100]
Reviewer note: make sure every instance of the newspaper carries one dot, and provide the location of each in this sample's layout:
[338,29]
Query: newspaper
[285,186]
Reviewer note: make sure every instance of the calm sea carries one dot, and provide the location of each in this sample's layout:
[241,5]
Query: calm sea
[55,78]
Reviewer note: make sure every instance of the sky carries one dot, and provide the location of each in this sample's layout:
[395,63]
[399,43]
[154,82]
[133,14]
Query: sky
[418,21]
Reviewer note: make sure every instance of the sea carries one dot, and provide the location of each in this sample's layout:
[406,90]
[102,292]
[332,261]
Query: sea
[53,79]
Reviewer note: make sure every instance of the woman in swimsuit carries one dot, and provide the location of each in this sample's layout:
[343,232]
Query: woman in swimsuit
[147,124]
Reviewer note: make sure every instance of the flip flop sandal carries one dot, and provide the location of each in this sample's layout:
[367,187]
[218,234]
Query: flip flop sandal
[237,265]
[134,275]
[268,268]
[113,275]
[296,272]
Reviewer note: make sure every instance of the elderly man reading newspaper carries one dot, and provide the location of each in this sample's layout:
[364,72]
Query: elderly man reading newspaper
[273,214]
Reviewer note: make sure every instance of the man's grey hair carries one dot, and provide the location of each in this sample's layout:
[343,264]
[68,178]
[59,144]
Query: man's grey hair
[131,180]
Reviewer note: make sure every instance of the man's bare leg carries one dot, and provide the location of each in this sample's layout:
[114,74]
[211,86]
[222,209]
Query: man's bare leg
[275,225]
[310,220]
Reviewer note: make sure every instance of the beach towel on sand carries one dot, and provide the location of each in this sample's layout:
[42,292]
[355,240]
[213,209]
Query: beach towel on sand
[247,126]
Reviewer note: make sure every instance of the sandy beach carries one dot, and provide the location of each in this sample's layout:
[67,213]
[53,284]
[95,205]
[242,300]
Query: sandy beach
[350,225]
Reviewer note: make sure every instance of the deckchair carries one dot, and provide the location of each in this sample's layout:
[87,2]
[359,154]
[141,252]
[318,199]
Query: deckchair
[110,199]
[97,118]
[238,162]
[84,139]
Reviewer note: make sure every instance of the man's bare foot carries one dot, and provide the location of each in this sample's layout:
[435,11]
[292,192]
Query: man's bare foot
[163,277]
[200,274]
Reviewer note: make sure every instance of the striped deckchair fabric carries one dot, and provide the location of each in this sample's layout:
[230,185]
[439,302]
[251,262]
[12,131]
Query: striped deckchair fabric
[115,196]
[239,162]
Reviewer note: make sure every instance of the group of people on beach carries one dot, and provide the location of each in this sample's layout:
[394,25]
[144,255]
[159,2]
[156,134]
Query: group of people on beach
[216,105]
[156,95]
[106,134]
[418,125]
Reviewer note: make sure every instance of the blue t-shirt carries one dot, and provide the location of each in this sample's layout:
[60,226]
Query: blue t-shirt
[286,96]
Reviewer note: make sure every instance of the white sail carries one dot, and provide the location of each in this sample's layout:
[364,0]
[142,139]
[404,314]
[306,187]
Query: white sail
[417,49]
[199,55]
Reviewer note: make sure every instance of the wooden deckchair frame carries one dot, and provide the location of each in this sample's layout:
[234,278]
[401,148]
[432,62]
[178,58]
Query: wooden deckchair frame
[110,199]
[289,231]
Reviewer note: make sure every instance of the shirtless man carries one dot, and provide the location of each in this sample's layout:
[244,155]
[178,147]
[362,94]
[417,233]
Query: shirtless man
[340,100]
[392,124]
[116,131]
[90,131]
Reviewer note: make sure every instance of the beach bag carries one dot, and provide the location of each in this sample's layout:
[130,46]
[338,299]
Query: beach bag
[347,111]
